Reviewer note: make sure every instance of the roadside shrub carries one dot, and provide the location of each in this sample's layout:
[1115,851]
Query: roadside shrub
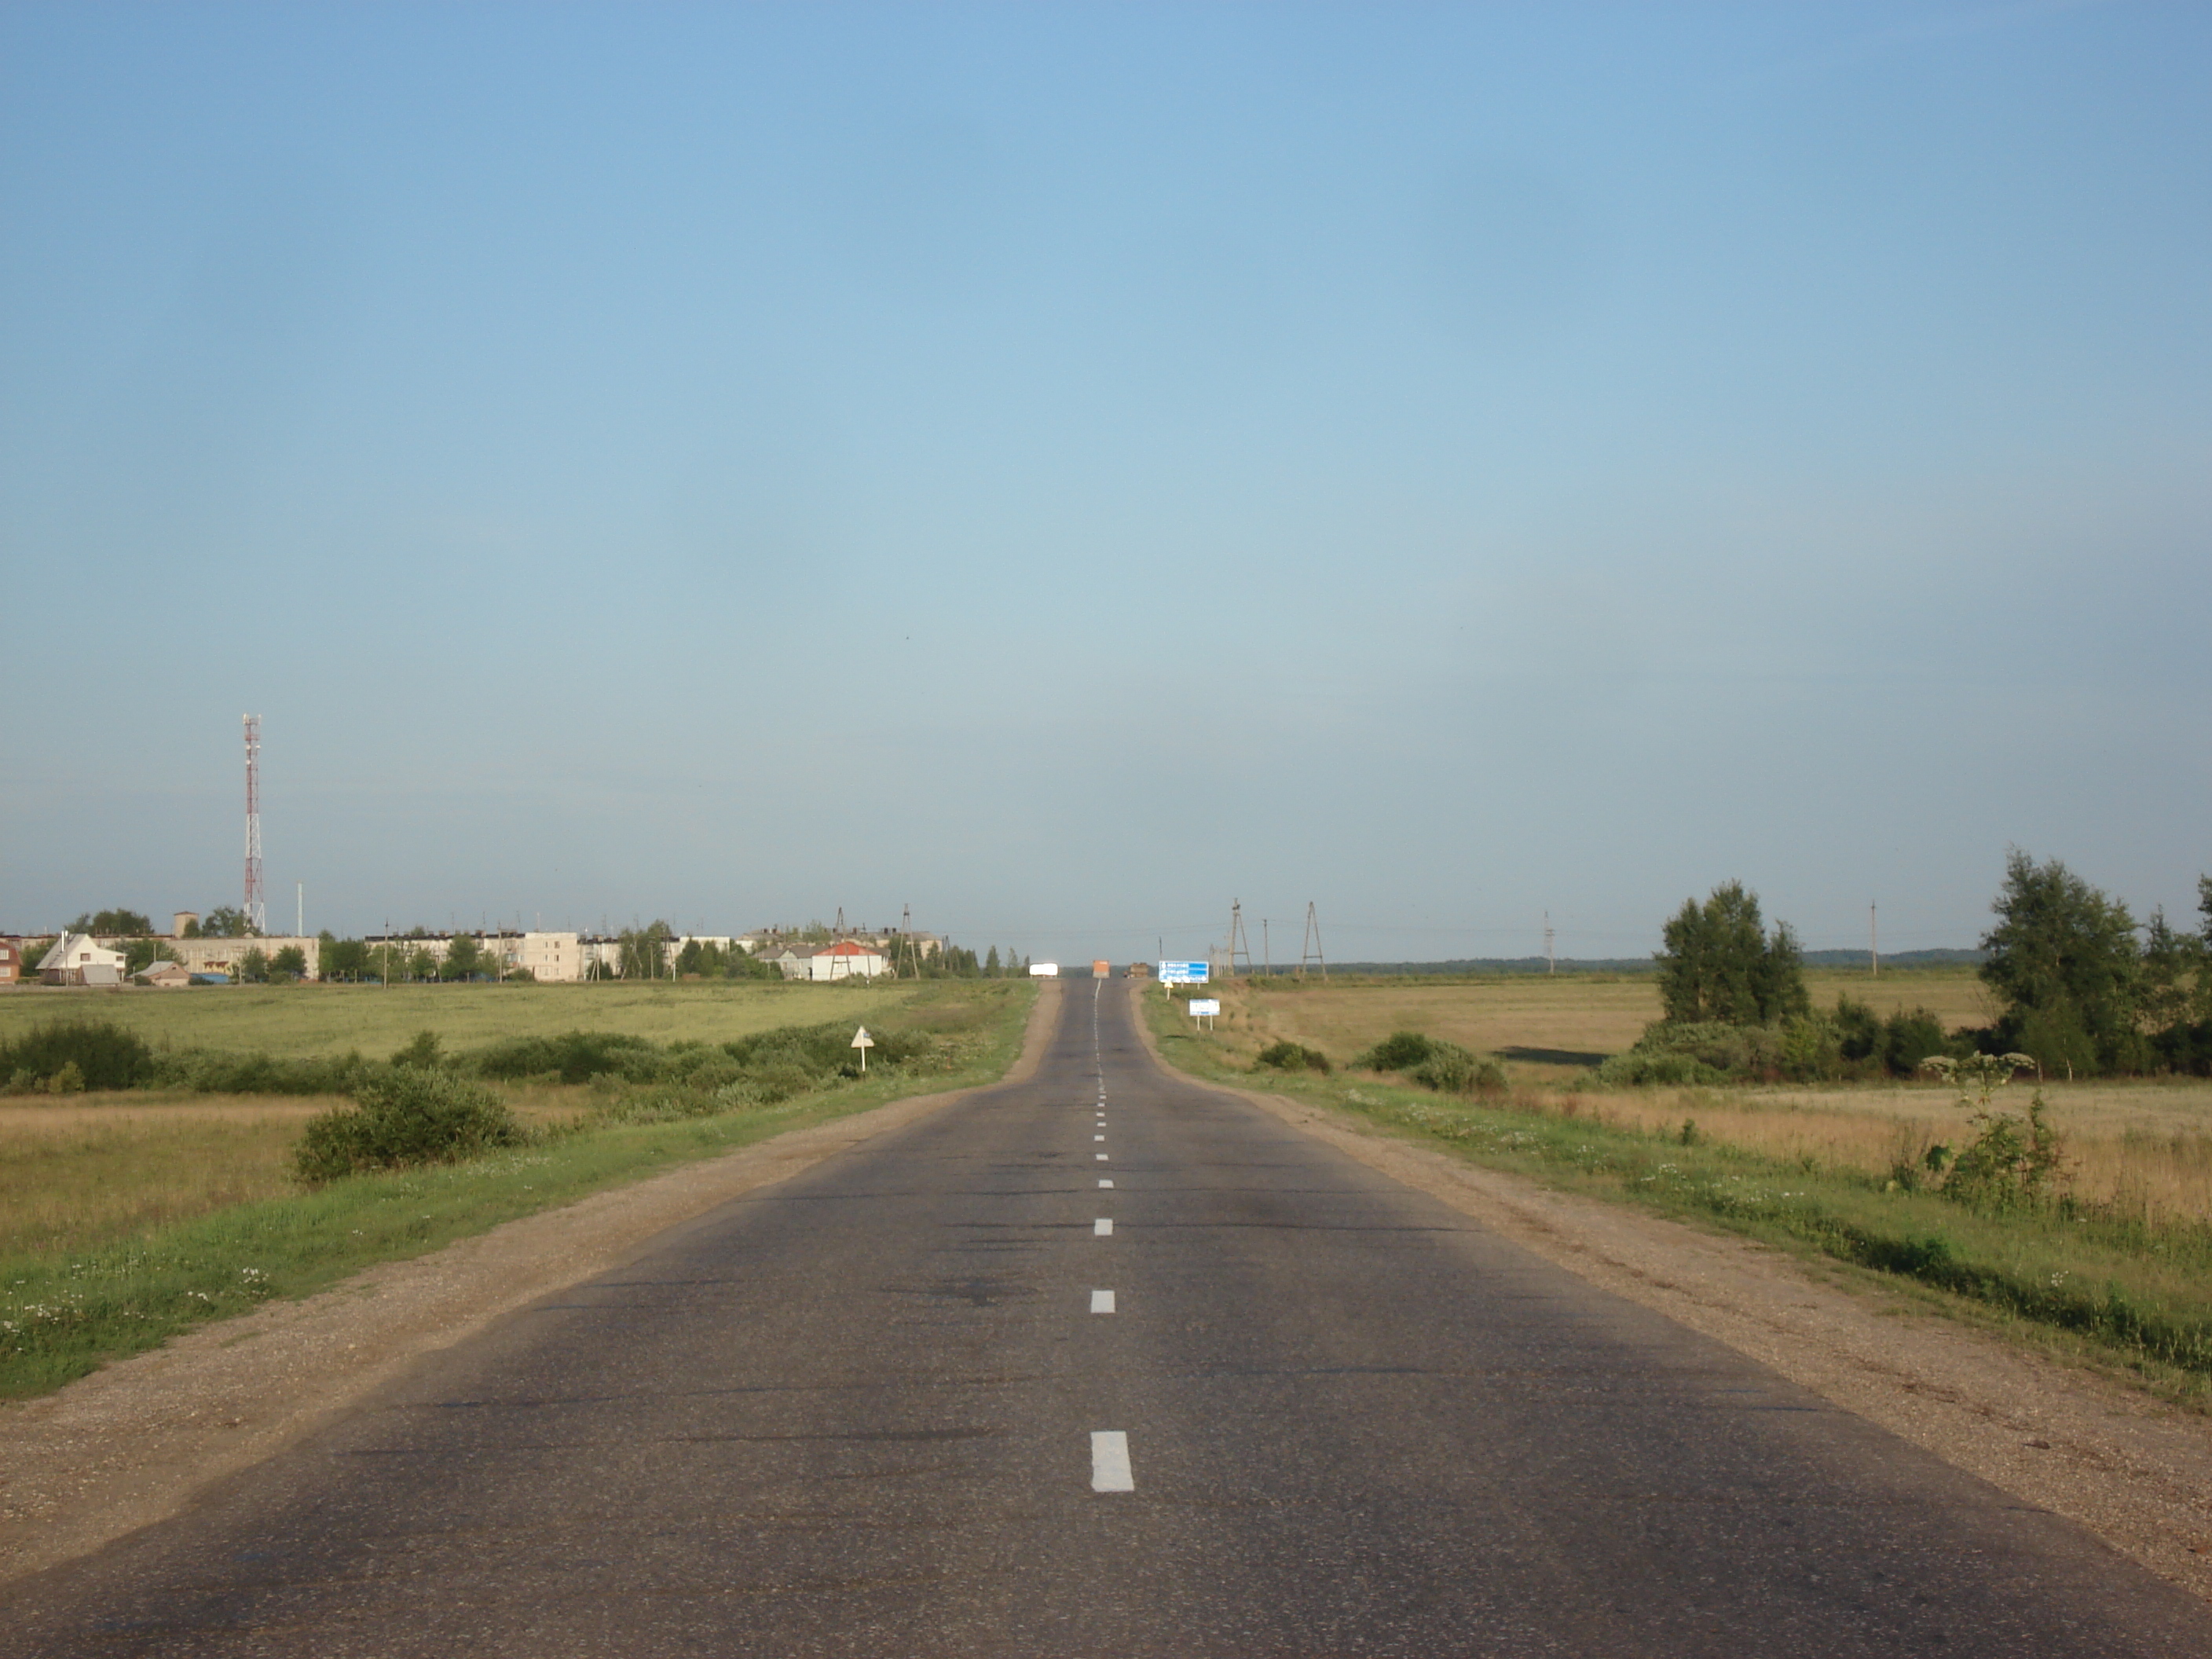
[1399,1052]
[1287,1056]
[207,1071]
[1452,1070]
[1723,1051]
[1909,1036]
[1433,1063]
[105,1055]
[412,1116]
[425,1048]
[1641,1068]
[574,1057]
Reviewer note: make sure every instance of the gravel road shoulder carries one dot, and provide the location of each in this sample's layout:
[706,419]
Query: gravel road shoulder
[131,1443]
[2132,1470]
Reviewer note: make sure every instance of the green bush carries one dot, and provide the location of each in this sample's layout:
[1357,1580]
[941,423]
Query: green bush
[207,1071]
[1452,1070]
[1640,1068]
[1433,1063]
[575,1057]
[1909,1036]
[1287,1056]
[412,1116]
[1399,1052]
[106,1055]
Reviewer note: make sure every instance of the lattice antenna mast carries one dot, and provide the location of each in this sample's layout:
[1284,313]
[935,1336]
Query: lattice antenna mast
[1311,953]
[257,900]
[1238,943]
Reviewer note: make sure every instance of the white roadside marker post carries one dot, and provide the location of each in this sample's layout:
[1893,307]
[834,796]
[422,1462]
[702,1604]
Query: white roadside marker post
[863,1041]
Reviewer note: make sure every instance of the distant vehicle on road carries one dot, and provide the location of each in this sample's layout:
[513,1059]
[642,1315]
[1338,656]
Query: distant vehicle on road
[1101,970]
[1045,969]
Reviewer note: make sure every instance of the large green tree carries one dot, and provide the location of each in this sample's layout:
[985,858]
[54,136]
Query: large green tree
[2062,958]
[119,922]
[224,921]
[1721,965]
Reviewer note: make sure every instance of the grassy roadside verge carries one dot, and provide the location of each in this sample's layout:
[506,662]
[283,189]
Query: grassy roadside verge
[2096,1285]
[64,1315]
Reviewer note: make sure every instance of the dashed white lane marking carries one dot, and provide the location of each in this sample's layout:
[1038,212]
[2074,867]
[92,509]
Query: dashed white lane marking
[1104,1227]
[1109,1461]
[1101,1157]
[1103,1181]
[1102,1301]
[1098,1137]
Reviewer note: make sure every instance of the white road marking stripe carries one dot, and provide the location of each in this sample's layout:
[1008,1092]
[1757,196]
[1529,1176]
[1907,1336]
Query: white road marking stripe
[1104,1182]
[1101,1157]
[1102,1301]
[1104,1227]
[1098,1137]
[1109,1461]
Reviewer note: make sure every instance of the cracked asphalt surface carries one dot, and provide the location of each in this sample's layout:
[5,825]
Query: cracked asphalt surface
[853,1414]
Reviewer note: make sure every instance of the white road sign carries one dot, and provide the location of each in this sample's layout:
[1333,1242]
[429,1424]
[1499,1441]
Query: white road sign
[863,1041]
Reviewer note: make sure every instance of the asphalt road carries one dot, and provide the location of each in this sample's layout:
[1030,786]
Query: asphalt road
[953,1393]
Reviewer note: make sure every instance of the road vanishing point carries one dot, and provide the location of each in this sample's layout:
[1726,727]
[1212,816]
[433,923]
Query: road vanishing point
[1101,1362]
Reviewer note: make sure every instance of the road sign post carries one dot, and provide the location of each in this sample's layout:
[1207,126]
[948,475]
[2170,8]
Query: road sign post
[863,1041]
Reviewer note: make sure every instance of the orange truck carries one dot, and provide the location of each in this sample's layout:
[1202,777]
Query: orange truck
[1101,970]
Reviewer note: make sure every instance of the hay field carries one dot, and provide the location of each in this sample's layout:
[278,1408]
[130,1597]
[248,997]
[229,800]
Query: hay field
[85,1169]
[1547,1028]
[331,1019]
[2142,1144]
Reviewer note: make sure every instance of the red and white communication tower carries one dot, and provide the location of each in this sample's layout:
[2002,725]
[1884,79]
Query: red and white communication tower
[256,902]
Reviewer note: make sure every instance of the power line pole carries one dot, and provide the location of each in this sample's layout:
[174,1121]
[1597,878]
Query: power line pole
[1551,960]
[1238,942]
[1873,944]
[1311,950]
[1266,951]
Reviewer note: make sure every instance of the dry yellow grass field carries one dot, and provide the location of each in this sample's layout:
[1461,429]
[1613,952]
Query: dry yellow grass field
[2144,1143]
[91,1168]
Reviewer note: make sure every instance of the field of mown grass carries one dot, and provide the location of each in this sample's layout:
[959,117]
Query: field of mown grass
[1545,1028]
[332,1019]
[2122,1273]
[2146,1142]
[126,1216]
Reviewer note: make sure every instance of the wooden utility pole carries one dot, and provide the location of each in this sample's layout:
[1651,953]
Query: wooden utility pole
[1873,944]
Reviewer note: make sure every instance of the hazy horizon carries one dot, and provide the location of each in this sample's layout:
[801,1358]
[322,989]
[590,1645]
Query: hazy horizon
[1063,468]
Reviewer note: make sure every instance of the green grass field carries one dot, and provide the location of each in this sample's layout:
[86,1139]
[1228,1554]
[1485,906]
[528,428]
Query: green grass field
[332,1019]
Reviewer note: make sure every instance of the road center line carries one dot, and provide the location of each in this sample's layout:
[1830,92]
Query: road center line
[1102,1301]
[1104,1227]
[1104,1182]
[1109,1461]
[1102,1158]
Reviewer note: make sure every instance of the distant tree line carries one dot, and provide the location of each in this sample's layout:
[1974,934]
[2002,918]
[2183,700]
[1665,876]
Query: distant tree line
[2083,988]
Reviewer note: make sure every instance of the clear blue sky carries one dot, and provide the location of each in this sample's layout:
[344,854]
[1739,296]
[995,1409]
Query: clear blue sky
[1064,468]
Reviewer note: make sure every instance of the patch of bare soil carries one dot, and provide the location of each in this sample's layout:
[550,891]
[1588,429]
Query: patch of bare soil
[130,1445]
[2133,1471]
